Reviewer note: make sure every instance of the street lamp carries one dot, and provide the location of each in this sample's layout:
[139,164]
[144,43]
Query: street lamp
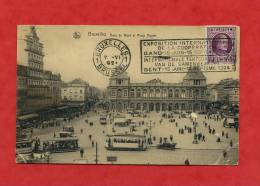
[195,141]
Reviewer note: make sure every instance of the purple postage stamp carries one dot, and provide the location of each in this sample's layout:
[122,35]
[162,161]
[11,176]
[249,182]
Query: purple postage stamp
[221,45]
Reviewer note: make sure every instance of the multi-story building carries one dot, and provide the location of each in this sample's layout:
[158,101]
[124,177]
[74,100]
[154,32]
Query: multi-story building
[156,95]
[232,92]
[75,91]
[225,92]
[36,88]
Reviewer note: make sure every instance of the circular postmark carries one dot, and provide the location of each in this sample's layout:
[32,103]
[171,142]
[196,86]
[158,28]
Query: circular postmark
[111,57]
[221,44]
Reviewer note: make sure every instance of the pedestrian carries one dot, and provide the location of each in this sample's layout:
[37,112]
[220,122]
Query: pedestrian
[81,152]
[187,162]
[223,133]
[213,131]
[161,139]
[171,138]
[81,131]
[226,135]
[176,124]
[89,136]
[93,144]
[203,138]
[224,154]
[218,139]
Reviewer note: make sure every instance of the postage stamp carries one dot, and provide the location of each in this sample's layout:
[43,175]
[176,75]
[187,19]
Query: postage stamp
[111,57]
[221,47]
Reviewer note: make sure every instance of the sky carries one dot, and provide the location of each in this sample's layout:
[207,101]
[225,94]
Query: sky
[73,58]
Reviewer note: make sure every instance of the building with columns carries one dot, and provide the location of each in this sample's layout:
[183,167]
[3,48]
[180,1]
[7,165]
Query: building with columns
[156,95]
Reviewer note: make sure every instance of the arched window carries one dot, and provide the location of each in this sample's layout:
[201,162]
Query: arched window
[145,106]
[164,93]
[196,93]
[190,92]
[157,93]
[132,105]
[177,106]
[151,93]
[132,93]
[183,106]
[144,93]
[138,93]
[176,93]
[170,93]
[138,106]
[183,93]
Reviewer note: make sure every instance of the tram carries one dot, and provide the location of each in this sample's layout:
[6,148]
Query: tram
[126,142]
[103,119]
[64,144]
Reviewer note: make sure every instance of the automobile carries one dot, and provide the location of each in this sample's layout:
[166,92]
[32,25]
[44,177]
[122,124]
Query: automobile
[167,146]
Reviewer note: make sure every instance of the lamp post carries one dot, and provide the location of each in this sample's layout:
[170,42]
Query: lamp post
[195,141]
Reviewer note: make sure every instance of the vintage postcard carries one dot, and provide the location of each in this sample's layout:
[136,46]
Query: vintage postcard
[157,95]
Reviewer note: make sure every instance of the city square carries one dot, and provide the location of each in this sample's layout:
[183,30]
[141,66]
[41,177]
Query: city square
[208,152]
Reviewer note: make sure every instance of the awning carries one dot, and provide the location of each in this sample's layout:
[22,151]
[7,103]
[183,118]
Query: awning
[28,116]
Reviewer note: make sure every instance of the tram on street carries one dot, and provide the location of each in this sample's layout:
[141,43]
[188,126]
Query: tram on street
[126,142]
[103,119]
[121,122]
[24,146]
[25,154]
[67,144]
[64,134]
[68,128]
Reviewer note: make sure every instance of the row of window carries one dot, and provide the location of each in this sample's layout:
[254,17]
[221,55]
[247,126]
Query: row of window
[35,56]
[42,82]
[35,73]
[157,106]
[35,65]
[73,91]
[158,93]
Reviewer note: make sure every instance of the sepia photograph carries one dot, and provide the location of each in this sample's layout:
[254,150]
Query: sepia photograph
[140,95]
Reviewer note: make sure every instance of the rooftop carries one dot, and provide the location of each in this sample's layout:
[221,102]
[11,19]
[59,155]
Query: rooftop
[194,73]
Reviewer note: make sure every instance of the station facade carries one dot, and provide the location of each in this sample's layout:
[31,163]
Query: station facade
[156,95]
